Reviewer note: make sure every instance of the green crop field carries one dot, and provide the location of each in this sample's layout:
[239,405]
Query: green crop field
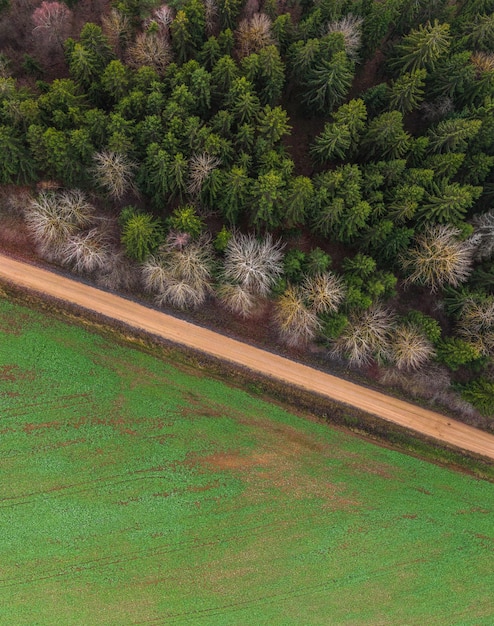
[133,492]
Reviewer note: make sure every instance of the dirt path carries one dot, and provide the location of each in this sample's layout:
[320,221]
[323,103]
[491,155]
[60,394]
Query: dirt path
[138,316]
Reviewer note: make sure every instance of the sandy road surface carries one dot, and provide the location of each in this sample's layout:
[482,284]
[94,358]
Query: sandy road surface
[137,316]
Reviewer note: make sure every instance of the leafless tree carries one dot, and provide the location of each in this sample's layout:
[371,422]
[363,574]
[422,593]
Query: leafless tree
[255,264]
[52,21]
[476,324]
[211,14]
[200,167]
[114,172]
[484,235]
[237,299]
[150,48]
[410,349]
[297,325]
[163,16]
[52,218]
[117,28]
[324,292]
[439,258]
[254,34]
[366,336]
[180,277]
[119,273]
[350,27]
[87,252]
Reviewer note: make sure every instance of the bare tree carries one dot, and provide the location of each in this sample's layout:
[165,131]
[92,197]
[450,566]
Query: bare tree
[119,273]
[117,28]
[350,27]
[296,324]
[87,252]
[476,324]
[366,336]
[180,277]
[439,258]
[211,15]
[255,264]
[200,167]
[163,16]
[237,299]
[254,34]
[150,48]
[410,349]
[324,292]
[52,21]
[114,172]
[52,218]
[484,235]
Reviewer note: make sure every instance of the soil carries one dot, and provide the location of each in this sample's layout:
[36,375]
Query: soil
[291,373]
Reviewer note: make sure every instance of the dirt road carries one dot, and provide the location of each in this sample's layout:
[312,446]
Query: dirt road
[138,316]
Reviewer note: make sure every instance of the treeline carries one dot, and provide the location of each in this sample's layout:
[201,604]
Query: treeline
[174,118]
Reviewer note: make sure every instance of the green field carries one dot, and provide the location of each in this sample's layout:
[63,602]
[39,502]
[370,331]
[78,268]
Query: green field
[133,492]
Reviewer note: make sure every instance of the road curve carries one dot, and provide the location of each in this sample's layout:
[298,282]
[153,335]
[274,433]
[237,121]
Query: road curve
[444,429]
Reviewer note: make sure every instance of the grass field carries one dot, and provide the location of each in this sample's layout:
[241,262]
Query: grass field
[133,492]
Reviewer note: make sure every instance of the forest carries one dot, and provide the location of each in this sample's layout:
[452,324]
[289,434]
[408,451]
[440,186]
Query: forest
[327,164]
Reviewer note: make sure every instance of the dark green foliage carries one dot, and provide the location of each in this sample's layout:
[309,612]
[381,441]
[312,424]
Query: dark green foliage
[480,393]
[423,47]
[453,135]
[234,193]
[317,262]
[298,199]
[228,11]
[407,91]
[293,265]
[15,163]
[338,207]
[267,200]
[323,71]
[333,325]
[386,137]
[447,202]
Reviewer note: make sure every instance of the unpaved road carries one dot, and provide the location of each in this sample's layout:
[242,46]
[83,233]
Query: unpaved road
[138,316]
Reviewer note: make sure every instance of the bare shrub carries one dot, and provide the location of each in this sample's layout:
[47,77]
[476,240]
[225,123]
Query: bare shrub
[119,273]
[324,292]
[87,252]
[180,277]
[254,34]
[431,383]
[439,258]
[366,336]
[236,299]
[350,27]
[150,48]
[52,218]
[114,172]
[255,264]
[296,324]
[410,349]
